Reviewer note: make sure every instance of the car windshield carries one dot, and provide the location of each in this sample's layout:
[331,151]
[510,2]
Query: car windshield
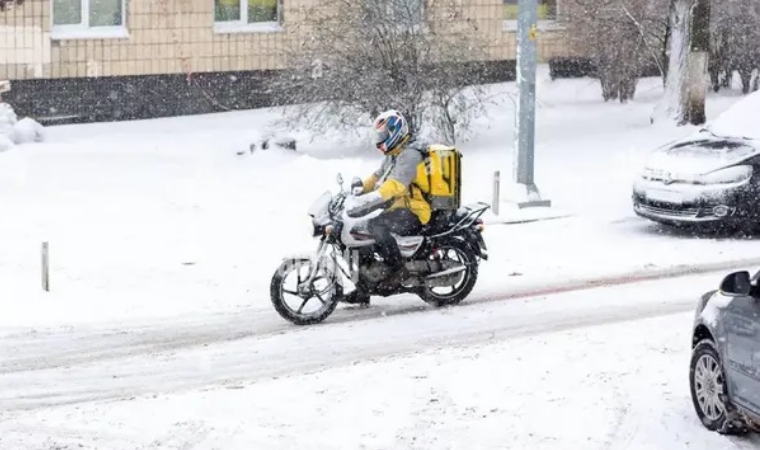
[720,148]
[739,121]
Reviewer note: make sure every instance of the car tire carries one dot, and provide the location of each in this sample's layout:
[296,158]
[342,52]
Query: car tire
[708,389]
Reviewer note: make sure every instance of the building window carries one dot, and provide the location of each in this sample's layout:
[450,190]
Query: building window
[102,17]
[247,14]
[549,12]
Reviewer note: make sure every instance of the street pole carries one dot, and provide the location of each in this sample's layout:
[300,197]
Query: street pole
[527,26]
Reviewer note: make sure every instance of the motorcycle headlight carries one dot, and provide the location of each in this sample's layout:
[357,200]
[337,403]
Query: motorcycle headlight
[319,228]
[728,175]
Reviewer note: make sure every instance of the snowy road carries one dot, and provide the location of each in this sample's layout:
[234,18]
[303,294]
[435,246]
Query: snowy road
[92,387]
[90,363]
[623,350]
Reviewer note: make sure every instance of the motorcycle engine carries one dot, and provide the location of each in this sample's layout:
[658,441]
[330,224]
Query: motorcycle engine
[376,272]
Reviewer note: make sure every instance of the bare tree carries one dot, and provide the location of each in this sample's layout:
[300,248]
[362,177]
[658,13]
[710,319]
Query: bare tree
[672,104]
[735,32]
[688,65]
[622,36]
[351,59]
[699,51]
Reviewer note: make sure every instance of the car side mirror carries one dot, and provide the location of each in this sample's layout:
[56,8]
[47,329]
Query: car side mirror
[736,284]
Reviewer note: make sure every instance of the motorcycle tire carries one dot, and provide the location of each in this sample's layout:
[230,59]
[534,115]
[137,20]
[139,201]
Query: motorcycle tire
[276,290]
[471,274]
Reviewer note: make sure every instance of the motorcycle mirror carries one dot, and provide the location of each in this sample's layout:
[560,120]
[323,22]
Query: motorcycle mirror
[339,179]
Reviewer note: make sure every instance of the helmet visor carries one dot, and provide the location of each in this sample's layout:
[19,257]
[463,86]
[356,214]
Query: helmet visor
[379,137]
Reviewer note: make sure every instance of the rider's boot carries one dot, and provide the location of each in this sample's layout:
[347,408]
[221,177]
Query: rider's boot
[357,297]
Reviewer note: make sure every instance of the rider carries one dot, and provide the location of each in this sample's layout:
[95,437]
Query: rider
[394,185]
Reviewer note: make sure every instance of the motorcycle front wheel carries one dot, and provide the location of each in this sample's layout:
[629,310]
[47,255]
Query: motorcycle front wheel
[323,292]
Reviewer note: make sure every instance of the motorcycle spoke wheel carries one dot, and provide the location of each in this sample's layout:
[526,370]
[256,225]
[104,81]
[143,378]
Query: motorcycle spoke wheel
[453,255]
[303,305]
[453,295]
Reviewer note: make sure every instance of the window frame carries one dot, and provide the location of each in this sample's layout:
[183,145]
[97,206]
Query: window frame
[243,26]
[543,24]
[83,30]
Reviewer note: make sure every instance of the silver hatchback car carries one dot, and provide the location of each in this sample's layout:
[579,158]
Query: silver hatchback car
[725,364]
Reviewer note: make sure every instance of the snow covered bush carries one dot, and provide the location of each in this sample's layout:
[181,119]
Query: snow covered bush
[351,59]
[14,131]
[5,143]
[8,121]
[28,130]
[621,37]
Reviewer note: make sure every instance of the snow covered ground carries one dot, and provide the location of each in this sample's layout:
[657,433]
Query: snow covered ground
[158,331]
[163,217]
[602,369]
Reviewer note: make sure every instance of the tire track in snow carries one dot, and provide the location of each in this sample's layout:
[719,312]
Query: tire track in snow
[203,354]
[50,350]
[311,350]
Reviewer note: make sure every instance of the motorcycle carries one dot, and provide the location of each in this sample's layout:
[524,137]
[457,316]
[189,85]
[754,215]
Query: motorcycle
[446,254]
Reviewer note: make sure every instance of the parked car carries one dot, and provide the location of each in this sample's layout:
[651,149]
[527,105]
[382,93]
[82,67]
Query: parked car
[724,372]
[710,178]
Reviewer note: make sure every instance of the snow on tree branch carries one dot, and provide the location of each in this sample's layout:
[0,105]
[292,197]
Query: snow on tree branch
[621,36]
[351,59]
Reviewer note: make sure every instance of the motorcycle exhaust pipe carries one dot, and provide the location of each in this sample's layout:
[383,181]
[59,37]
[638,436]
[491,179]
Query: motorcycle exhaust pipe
[446,273]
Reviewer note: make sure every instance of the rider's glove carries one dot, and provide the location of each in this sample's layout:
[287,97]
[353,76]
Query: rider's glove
[357,186]
[364,204]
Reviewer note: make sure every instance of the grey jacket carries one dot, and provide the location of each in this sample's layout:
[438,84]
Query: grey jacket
[402,167]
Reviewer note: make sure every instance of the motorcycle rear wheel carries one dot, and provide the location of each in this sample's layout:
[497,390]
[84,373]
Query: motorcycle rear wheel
[328,295]
[463,288]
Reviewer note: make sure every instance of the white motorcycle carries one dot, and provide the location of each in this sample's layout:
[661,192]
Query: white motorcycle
[445,255]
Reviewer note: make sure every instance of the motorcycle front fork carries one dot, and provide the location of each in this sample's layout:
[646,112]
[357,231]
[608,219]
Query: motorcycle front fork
[332,265]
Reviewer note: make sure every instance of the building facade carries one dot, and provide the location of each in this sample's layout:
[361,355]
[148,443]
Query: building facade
[109,45]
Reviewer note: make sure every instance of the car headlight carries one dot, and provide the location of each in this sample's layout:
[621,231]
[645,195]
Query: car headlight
[728,175]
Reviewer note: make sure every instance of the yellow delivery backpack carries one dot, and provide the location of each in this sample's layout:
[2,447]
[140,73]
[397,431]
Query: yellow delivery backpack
[443,170]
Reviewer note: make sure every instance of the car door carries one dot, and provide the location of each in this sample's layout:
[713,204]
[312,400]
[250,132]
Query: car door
[742,355]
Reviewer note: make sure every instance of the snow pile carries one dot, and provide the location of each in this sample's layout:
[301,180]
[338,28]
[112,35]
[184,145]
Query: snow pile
[741,120]
[8,121]
[14,131]
[5,143]
[28,130]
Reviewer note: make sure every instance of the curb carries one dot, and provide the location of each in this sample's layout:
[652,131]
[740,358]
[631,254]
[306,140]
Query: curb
[494,222]
[623,279]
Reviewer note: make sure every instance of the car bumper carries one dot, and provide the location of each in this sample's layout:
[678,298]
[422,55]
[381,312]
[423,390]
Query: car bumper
[694,204]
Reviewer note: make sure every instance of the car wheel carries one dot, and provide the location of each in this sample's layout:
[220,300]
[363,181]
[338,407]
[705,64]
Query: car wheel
[708,387]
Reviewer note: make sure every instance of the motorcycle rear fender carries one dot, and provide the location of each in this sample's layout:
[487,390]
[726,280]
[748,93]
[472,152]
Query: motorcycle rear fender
[474,241]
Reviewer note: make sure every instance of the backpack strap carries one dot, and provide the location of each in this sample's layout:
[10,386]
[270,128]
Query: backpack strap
[424,151]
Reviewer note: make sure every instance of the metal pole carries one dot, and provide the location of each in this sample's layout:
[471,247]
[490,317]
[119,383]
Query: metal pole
[527,29]
[45,267]
[496,191]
